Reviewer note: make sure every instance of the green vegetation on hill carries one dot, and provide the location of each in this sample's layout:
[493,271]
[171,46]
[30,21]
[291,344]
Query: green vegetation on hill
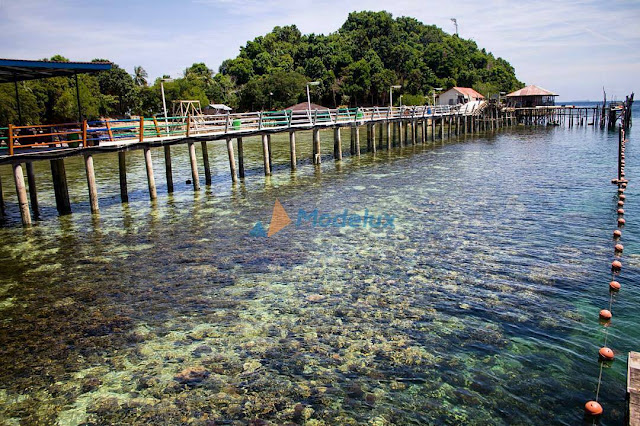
[355,66]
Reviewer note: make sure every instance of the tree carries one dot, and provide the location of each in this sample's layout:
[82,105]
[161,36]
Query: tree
[140,76]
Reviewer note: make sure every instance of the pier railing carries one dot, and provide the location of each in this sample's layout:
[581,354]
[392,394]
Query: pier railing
[159,129]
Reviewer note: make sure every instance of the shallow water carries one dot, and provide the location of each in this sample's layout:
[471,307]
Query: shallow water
[480,306]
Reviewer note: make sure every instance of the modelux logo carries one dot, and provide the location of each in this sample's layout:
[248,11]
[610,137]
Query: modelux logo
[280,219]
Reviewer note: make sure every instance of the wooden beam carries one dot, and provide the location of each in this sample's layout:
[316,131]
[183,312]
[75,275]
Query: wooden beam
[151,181]
[91,183]
[59,176]
[205,160]
[240,158]
[21,191]
[168,168]
[194,166]
[292,150]
[337,144]
[317,156]
[33,190]
[265,155]
[122,168]
[232,160]
[633,388]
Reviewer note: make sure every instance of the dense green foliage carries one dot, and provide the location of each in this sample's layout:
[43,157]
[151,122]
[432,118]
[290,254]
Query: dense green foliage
[355,66]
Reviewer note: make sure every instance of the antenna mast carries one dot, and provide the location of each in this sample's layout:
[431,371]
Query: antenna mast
[455,22]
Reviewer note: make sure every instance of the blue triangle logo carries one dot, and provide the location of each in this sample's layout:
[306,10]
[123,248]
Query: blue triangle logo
[258,230]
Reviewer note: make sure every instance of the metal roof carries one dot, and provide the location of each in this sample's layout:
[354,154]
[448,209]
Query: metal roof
[468,91]
[532,91]
[19,69]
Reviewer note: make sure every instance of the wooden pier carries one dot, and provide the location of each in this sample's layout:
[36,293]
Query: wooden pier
[633,389]
[402,126]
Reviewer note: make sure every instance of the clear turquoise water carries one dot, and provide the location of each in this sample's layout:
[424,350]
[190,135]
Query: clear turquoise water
[480,307]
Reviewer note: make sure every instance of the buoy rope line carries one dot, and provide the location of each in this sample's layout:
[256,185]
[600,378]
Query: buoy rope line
[593,408]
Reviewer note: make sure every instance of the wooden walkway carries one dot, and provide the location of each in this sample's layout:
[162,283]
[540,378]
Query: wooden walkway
[633,388]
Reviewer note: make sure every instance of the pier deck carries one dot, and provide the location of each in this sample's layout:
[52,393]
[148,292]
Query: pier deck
[633,388]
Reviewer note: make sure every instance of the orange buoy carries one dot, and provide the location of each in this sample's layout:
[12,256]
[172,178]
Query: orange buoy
[616,265]
[622,197]
[620,211]
[614,286]
[620,190]
[606,354]
[619,248]
[617,233]
[593,408]
[620,203]
[605,314]
[621,221]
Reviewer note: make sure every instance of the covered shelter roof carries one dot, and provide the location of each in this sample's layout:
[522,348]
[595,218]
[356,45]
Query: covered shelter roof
[468,91]
[12,70]
[532,90]
[304,106]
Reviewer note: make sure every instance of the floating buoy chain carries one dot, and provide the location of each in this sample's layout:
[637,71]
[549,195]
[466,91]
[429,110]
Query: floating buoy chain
[605,354]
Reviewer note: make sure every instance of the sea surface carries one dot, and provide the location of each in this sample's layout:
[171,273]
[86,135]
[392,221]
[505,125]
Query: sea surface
[478,306]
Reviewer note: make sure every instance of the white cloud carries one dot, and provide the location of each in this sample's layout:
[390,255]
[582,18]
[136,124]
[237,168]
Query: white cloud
[572,47]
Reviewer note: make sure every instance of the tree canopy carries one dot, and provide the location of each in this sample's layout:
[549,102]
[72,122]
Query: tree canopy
[355,66]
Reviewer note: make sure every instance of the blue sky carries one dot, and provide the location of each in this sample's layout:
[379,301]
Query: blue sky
[573,48]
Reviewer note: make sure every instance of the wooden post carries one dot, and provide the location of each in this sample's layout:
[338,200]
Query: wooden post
[155,123]
[33,191]
[21,191]
[205,160]
[400,133]
[91,183]
[633,388]
[167,168]
[433,128]
[84,133]
[150,178]
[442,127]
[109,131]
[1,199]
[194,166]
[240,158]
[389,134]
[317,159]
[59,176]
[122,167]
[265,155]
[292,150]
[357,140]
[270,154]
[10,136]
[232,160]
[141,136]
[373,138]
[188,131]
[337,144]
[368,137]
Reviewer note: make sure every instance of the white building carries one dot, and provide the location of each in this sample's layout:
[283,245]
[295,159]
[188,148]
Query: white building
[459,95]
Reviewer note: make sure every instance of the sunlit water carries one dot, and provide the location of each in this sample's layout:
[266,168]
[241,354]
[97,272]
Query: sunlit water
[479,307]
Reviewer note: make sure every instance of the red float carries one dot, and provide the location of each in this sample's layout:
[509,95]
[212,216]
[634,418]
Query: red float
[617,233]
[614,286]
[616,265]
[605,314]
[593,408]
[606,354]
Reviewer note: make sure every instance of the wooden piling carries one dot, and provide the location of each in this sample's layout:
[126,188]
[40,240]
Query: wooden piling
[59,176]
[122,168]
[271,153]
[151,181]
[265,155]
[194,166]
[205,160]
[433,129]
[167,168]
[357,140]
[633,388]
[389,135]
[240,157]
[33,190]
[337,144]
[91,183]
[292,150]
[21,191]
[1,198]
[373,138]
[317,159]
[400,133]
[232,160]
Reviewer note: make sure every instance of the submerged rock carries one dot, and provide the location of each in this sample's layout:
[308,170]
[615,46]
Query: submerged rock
[191,375]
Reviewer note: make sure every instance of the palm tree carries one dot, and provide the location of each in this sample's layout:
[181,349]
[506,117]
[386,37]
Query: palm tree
[140,76]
